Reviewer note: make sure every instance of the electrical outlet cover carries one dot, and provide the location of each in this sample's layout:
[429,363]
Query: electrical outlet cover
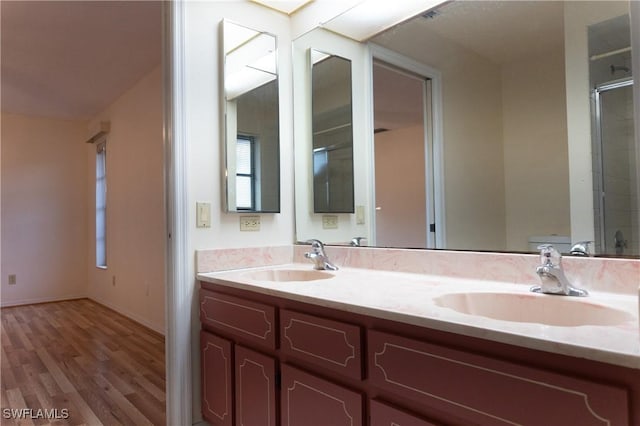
[249,223]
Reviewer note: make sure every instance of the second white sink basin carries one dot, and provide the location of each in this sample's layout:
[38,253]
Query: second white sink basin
[563,311]
[285,275]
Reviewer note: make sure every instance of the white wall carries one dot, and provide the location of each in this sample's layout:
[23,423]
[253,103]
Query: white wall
[205,135]
[535,149]
[44,213]
[135,206]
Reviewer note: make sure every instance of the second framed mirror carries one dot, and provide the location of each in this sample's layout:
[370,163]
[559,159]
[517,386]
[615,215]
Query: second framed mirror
[332,128]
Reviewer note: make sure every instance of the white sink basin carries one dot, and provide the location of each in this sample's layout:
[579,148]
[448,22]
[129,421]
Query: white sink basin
[563,311]
[285,275]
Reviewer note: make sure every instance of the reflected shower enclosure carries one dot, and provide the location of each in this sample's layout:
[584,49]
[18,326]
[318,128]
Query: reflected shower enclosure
[615,168]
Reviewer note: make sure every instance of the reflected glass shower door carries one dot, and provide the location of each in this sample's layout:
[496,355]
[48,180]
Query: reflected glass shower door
[615,170]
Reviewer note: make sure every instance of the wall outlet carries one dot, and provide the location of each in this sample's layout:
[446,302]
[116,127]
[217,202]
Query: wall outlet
[13,279]
[113,280]
[249,223]
[329,221]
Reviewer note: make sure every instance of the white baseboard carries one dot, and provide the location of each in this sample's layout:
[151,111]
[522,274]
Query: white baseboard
[130,315]
[7,304]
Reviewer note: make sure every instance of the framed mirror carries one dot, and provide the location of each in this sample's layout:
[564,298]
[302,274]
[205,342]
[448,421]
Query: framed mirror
[252,120]
[511,89]
[332,127]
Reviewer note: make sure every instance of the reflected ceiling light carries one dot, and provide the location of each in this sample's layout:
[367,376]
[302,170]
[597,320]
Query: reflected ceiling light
[370,17]
[285,6]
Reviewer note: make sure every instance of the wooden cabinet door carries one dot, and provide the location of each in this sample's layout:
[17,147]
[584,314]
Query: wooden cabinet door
[256,403]
[308,400]
[217,395]
[387,415]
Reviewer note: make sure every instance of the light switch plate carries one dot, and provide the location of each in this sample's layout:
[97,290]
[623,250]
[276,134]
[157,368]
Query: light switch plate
[203,215]
[359,215]
[249,223]
[329,221]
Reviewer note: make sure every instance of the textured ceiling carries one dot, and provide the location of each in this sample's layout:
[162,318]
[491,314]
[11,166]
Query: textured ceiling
[71,59]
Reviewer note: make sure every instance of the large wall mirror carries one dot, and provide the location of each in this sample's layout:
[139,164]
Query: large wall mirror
[251,106]
[332,129]
[536,127]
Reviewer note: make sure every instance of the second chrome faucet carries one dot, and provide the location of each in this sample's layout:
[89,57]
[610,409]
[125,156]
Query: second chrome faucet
[318,256]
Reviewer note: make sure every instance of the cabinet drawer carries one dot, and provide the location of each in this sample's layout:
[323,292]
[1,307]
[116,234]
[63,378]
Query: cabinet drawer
[488,391]
[386,415]
[249,321]
[308,400]
[326,343]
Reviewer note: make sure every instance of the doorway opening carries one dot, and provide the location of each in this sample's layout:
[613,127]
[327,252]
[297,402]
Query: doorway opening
[407,150]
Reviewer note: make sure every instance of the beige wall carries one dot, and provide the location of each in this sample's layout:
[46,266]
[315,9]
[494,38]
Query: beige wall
[473,155]
[535,149]
[135,206]
[44,209]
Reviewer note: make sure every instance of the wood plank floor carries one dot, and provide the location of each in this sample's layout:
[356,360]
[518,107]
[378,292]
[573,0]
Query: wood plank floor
[80,356]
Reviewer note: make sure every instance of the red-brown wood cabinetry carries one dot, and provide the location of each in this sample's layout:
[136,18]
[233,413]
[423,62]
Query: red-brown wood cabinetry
[308,400]
[217,379]
[386,415]
[269,361]
[255,395]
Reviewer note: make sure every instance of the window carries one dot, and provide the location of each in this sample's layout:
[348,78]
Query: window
[245,173]
[101,205]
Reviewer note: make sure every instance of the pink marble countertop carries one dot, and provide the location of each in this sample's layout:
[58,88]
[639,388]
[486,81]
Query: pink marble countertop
[411,298]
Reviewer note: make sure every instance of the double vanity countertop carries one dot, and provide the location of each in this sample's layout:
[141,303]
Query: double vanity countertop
[601,327]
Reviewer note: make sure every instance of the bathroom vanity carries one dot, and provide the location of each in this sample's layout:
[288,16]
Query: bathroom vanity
[287,345]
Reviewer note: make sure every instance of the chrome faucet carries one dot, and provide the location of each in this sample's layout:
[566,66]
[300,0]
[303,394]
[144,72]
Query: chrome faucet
[581,248]
[319,257]
[357,241]
[552,275]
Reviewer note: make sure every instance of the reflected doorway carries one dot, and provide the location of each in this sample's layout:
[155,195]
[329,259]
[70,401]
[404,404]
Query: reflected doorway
[403,149]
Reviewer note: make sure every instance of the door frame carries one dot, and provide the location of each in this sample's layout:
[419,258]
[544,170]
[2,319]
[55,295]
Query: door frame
[434,148]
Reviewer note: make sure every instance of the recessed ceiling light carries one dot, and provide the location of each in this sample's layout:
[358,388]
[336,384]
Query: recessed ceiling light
[285,6]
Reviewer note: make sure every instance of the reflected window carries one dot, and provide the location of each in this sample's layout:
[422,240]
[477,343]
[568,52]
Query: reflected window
[245,173]
[101,205]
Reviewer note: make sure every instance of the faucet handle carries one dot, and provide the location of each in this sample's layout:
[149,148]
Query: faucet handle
[549,256]
[581,248]
[315,244]
[357,241]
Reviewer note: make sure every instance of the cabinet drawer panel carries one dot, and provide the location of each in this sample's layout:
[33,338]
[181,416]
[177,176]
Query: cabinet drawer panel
[329,344]
[308,400]
[489,391]
[385,415]
[255,388]
[250,321]
[217,397]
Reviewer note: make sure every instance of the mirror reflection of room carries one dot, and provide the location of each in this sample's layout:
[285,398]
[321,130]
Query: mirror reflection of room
[252,154]
[332,133]
[399,104]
